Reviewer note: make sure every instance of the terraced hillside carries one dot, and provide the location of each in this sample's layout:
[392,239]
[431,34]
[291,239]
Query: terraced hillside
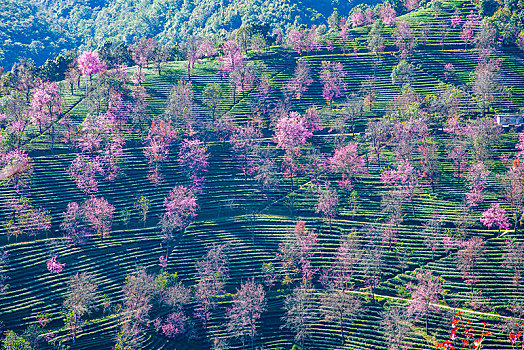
[237,211]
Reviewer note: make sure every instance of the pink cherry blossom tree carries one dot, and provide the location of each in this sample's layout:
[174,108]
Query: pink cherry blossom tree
[513,187]
[80,300]
[193,158]
[54,266]
[403,182]
[98,214]
[332,77]
[46,106]
[301,79]
[327,202]
[425,295]
[470,254]
[143,52]
[357,19]
[89,64]
[301,309]
[302,40]
[84,170]
[513,258]
[348,163]
[213,272]
[245,143]
[378,134]
[24,218]
[404,39]
[17,170]
[296,251]
[470,27]
[455,19]
[242,79]
[162,261]
[388,15]
[495,216]
[231,58]
[196,49]
[291,132]
[72,223]
[180,105]
[247,307]
[4,261]
[158,140]
[476,180]
[180,208]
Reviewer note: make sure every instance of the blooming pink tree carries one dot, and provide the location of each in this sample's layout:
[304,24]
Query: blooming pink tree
[17,169]
[245,143]
[514,190]
[4,261]
[54,266]
[302,40]
[404,39]
[193,158]
[449,69]
[432,233]
[296,251]
[403,182]
[196,49]
[301,308]
[158,140]
[291,132]
[242,79]
[46,106]
[476,180]
[98,213]
[425,295]
[162,261]
[312,118]
[231,58]
[80,299]
[469,255]
[23,218]
[180,207]
[89,63]
[348,163]
[455,19]
[332,76]
[378,135]
[248,305]
[84,170]
[469,27]
[495,216]
[213,271]
[143,52]
[388,15]
[180,104]
[357,19]
[301,79]
[327,202]
[72,220]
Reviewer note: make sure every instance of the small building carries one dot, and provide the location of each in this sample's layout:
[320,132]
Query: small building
[510,119]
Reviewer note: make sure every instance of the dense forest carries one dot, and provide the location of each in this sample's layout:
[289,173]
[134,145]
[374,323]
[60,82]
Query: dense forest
[41,29]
